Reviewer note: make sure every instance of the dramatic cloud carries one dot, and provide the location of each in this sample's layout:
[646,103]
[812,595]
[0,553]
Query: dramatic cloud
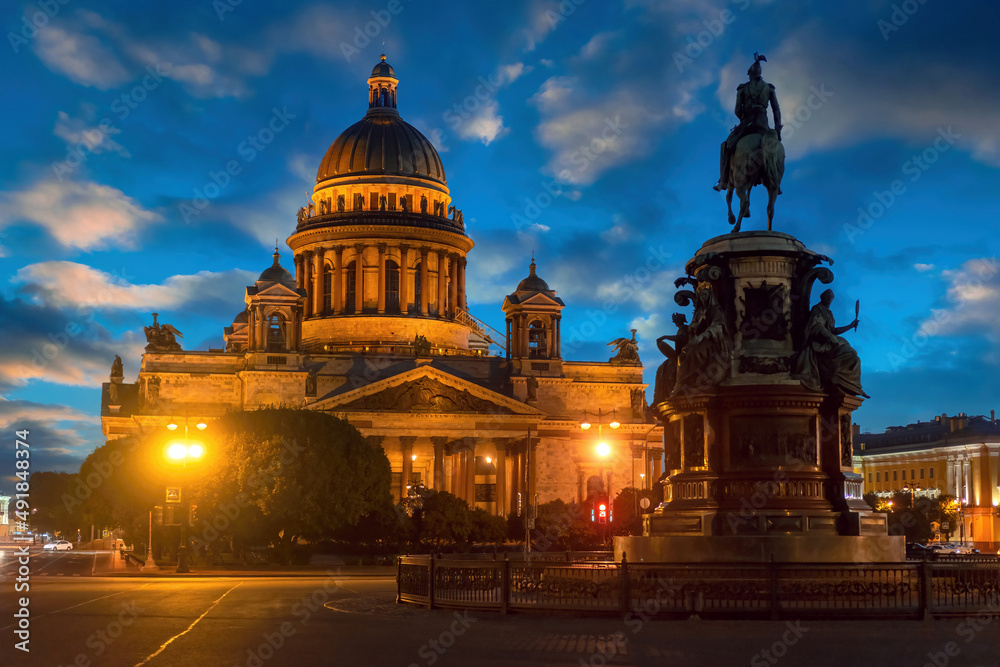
[66,347]
[974,302]
[72,285]
[59,436]
[81,215]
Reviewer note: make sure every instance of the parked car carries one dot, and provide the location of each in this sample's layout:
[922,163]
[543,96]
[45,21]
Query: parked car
[58,545]
[953,549]
[915,550]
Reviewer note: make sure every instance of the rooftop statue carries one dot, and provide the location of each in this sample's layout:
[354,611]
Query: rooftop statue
[162,337]
[627,350]
[752,154]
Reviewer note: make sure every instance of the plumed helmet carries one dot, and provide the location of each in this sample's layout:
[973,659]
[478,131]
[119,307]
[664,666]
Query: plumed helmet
[754,71]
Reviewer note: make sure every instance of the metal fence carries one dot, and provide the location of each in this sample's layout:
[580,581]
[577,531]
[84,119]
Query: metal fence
[764,590]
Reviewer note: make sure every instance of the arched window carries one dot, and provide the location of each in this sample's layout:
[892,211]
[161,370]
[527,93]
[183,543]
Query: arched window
[327,288]
[391,287]
[350,302]
[417,287]
[275,333]
[536,340]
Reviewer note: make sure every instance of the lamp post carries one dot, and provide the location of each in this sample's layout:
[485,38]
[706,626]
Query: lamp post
[603,449]
[961,521]
[911,490]
[180,453]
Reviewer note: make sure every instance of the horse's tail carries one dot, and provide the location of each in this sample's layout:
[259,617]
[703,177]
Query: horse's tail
[774,160]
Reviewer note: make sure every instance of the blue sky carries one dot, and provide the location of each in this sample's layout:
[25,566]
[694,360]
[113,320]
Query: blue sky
[585,131]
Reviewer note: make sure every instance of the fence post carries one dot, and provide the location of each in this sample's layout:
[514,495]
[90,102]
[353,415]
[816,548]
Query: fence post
[399,585]
[626,585]
[925,590]
[505,584]
[430,585]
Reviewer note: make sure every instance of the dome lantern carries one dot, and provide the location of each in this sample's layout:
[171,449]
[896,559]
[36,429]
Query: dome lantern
[382,87]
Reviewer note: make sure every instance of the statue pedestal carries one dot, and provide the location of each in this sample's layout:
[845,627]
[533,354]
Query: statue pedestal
[760,466]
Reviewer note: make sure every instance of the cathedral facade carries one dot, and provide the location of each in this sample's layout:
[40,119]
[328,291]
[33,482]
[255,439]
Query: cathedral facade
[373,326]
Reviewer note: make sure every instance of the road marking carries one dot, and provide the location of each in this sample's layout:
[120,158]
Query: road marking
[59,611]
[189,628]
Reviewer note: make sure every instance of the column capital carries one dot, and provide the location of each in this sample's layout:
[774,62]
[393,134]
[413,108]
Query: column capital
[404,247]
[359,248]
[424,251]
[407,440]
[381,248]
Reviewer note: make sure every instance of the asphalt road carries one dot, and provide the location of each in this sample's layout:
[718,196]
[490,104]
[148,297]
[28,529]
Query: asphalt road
[57,563]
[301,621]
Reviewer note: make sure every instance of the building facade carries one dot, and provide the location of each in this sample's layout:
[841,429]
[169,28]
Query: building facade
[957,456]
[373,326]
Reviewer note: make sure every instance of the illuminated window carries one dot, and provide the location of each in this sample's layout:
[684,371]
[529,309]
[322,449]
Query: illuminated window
[391,287]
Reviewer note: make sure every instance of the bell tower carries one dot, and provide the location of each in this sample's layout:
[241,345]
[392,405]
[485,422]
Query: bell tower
[533,320]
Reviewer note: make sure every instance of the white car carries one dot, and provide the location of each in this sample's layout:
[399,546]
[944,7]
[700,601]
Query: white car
[58,545]
[945,548]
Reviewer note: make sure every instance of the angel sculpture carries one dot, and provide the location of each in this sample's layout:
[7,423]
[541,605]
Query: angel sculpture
[627,350]
[162,337]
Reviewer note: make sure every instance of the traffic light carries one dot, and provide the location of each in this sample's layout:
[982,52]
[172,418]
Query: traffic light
[600,510]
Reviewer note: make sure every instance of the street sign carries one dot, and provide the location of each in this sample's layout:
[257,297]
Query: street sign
[173,494]
[944,526]
[644,503]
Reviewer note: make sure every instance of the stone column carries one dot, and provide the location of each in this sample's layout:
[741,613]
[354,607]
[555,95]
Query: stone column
[251,328]
[967,482]
[307,280]
[509,341]
[501,464]
[381,278]
[453,287]
[406,446]
[299,277]
[404,279]
[318,305]
[515,480]
[359,279]
[457,482]
[424,281]
[462,304]
[470,471]
[261,330]
[439,443]
[291,339]
[338,279]
[557,325]
[442,283]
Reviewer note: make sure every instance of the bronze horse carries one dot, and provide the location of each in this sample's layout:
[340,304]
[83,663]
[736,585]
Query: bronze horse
[759,159]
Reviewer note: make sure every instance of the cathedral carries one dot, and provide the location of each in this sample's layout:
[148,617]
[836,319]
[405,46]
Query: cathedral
[369,322]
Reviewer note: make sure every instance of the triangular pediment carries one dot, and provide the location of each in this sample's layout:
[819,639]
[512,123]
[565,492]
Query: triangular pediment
[273,290]
[425,390]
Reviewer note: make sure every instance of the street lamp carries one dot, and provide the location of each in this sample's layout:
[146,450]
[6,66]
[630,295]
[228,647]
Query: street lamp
[603,449]
[911,490]
[182,452]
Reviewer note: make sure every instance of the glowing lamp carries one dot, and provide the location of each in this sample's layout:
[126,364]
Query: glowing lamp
[177,451]
[603,449]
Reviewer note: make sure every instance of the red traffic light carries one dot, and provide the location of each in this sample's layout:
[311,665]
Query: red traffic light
[602,507]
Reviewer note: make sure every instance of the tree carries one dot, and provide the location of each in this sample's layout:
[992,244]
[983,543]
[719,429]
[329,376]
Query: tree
[49,513]
[445,520]
[286,474]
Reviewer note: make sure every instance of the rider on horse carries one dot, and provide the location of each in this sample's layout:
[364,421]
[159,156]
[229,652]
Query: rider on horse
[752,99]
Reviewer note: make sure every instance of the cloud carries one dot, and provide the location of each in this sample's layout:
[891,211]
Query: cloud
[974,297]
[80,57]
[589,137]
[75,131]
[514,71]
[485,123]
[598,45]
[81,215]
[64,347]
[60,437]
[72,285]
